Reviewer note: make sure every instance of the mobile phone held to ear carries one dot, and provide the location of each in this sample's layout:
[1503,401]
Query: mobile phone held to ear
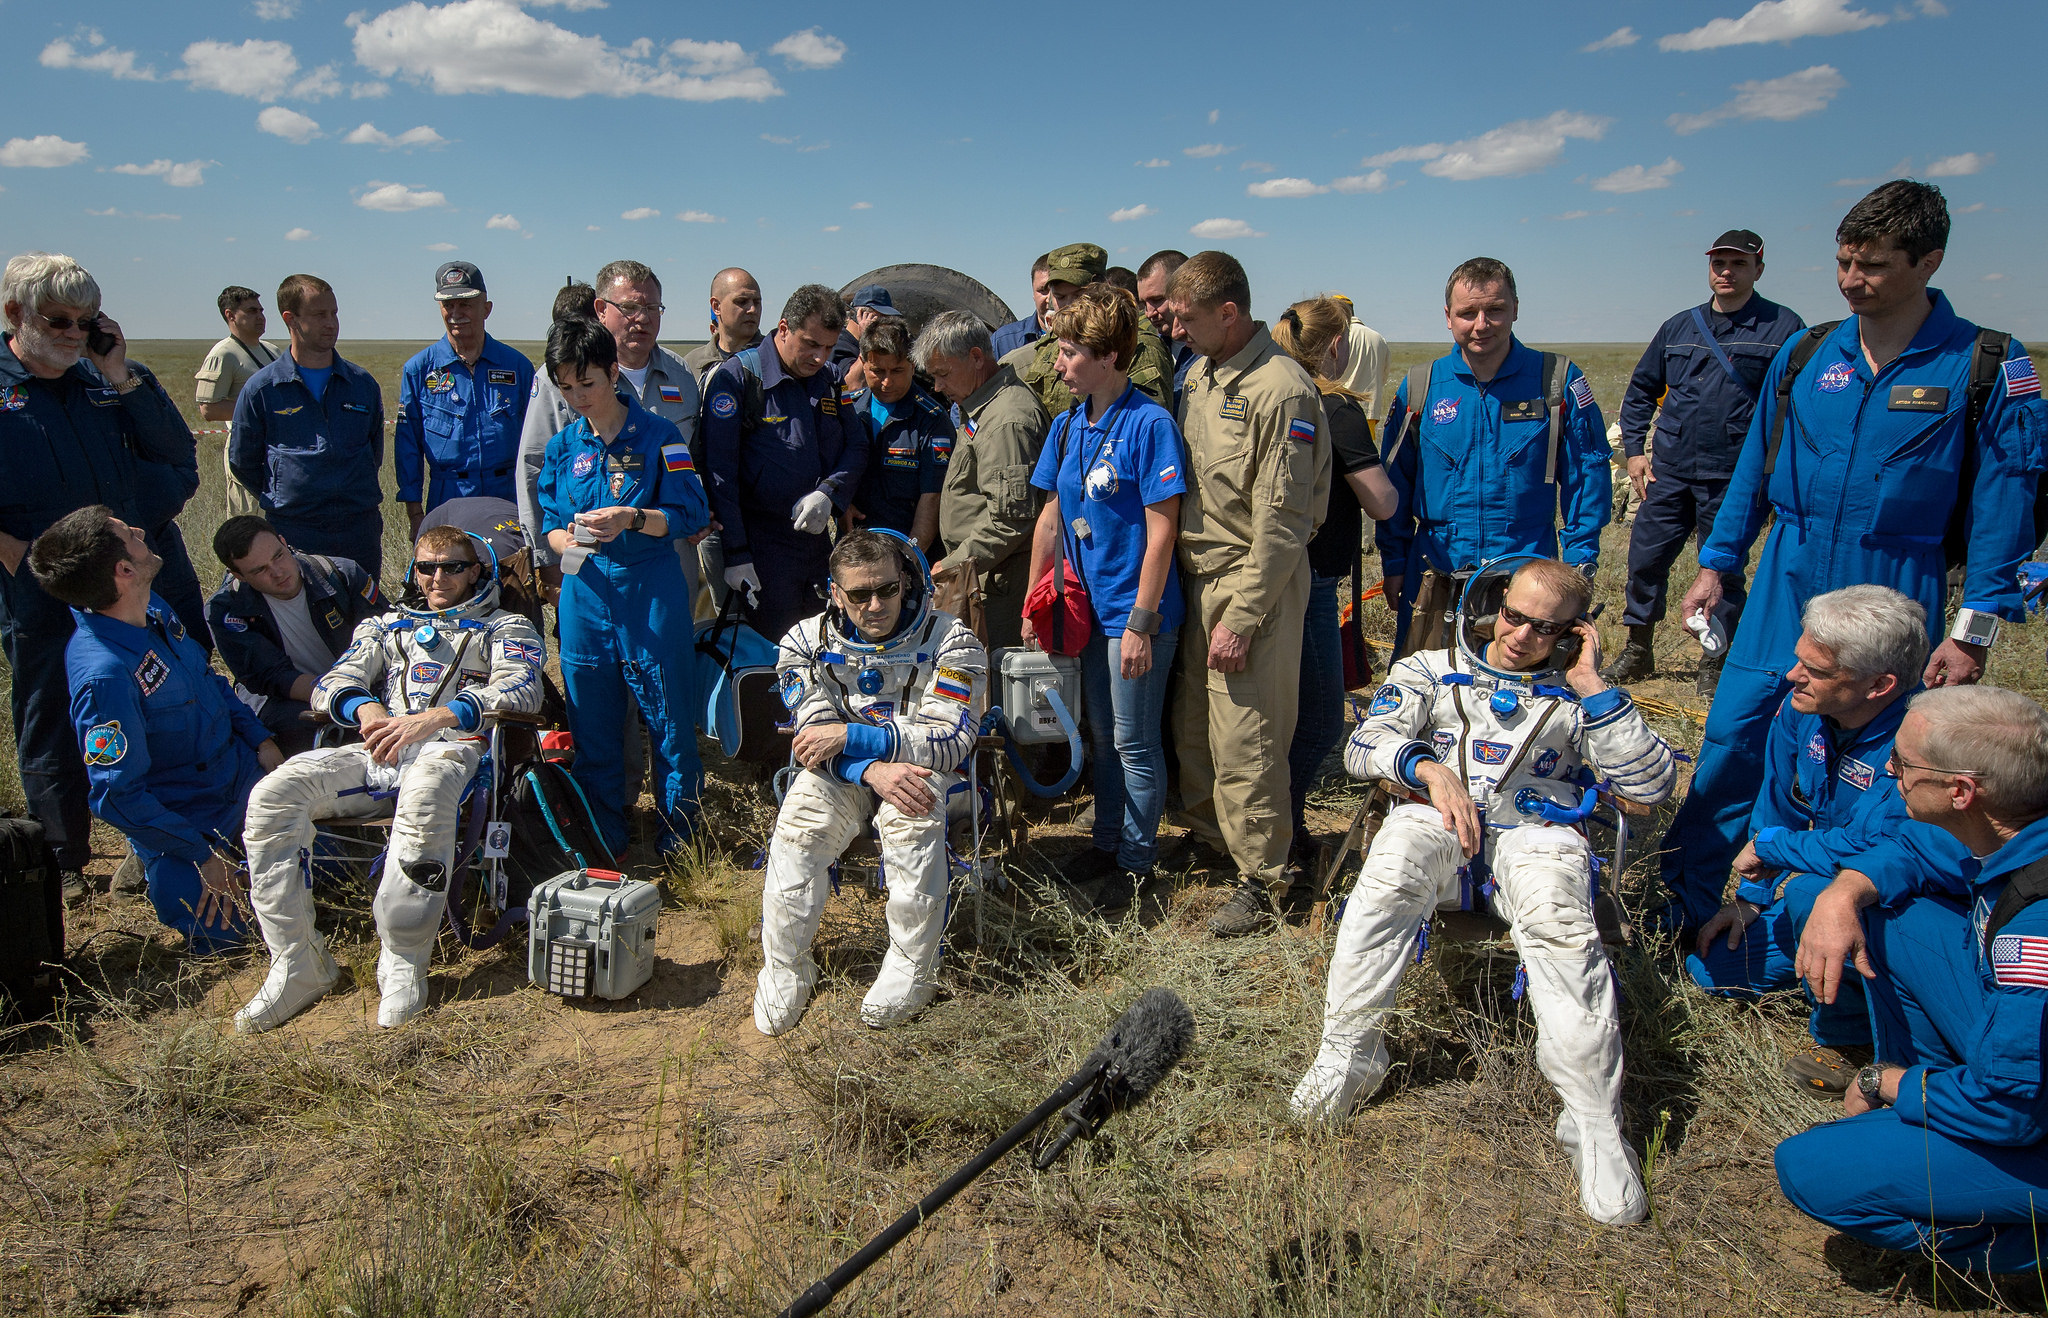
[97,341]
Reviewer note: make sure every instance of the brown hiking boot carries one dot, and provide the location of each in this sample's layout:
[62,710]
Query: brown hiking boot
[1825,1072]
[1247,912]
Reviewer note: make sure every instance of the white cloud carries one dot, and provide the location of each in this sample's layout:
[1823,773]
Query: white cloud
[1207,150]
[1222,228]
[862,206]
[709,58]
[99,57]
[1156,162]
[1775,20]
[573,6]
[1638,178]
[810,49]
[130,215]
[510,222]
[1791,97]
[449,247]
[1615,40]
[1572,215]
[699,217]
[1993,277]
[1376,181]
[1957,166]
[1137,212]
[299,235]
[1402,154]
[1931,8]
[1522,147]
[368,91]
[1284,187]
[1259,165]
[830,228]
[1970,209]
[1900,170]
[641,213]
[273,11]
[48,151]
[398,197]
[369,134]
[496,46]
[260,70]
[287,124]
[1214,115]
[188,174]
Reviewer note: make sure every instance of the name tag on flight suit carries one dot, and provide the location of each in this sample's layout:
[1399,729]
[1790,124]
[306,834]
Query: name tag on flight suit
[503,377]
[1919,398]
[1526,409]
[621,466]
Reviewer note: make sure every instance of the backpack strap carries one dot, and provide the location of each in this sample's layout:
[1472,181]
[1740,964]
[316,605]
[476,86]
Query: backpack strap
[753,398]
[1414,409]
[1803,349]
[2026,886]
[1985,368]
[1555,369]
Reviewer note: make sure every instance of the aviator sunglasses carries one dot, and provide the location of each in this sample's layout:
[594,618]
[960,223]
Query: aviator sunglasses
[861,597]
[1542,626]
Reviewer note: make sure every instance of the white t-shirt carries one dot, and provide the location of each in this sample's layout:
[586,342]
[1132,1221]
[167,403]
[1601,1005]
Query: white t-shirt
[303,644]
[638,379]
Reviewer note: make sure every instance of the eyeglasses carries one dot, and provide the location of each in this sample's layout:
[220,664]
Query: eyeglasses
[83,324]
[1542,626]
[1894,764]
[859,597]
[635,310]
[435,567]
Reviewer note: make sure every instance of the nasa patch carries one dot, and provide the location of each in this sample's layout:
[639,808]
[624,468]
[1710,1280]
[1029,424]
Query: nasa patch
[1445,412]
[1817,749]
[1857,774]
[234,624]
[1835,378]
[426,672]
[584,464]
[104,743]
[724,406]
[1385,700]
[1491,752]
[1546,764]
[151,672]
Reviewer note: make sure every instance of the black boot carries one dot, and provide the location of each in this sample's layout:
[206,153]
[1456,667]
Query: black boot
[1637,660]
[1709,678]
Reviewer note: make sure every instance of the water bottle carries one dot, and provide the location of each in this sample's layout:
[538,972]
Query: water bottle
[1708,632]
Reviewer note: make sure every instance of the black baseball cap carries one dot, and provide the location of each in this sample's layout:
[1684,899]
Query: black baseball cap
[1738,240]
[458,279]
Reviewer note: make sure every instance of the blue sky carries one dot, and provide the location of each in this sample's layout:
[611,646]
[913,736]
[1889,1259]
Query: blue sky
[1363,147]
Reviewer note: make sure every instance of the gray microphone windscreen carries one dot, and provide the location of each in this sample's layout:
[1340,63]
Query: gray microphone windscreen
[1147,1041]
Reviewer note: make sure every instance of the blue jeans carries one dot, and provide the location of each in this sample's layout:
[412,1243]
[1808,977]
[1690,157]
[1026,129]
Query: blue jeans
[1130,758]
[1320,723]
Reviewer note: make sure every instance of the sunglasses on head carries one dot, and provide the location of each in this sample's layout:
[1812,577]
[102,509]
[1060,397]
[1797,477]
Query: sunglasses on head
[434,567]
[1542,626]
[61,323]
[887,591]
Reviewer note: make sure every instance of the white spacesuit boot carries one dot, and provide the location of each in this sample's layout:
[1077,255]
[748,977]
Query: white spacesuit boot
[1409,866]
[1545,893]
[914,862]
[278,836]
[413,893]
[820,816]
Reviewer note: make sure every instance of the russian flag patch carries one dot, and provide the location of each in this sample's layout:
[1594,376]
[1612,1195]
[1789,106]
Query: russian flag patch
[952,688]
[671,393]
[2020,380]
[2020,961]
[676,457]
[1302,429]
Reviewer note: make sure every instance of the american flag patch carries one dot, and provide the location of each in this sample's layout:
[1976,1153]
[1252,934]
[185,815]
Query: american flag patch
[2020,961]
[1582,393]
[1301,429]
[671,393]
[953,688]
[676,457]
[2020,380]
[524,651]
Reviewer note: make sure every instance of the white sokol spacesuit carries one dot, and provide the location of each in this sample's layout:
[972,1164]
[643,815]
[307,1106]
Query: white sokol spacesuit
[1528,745]
[475,658]
[913,698]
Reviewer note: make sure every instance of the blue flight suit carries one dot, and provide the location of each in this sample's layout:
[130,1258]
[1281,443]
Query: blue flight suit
[461,423]
[170,752]
[1705,414]
[625,616]
[910,445]
[339,595]
[66,444]
[161,491]
[1826,799]
[313,462]
[1959,1162]
[1008,338]
[807,440]
[1865,481]
[1472,483]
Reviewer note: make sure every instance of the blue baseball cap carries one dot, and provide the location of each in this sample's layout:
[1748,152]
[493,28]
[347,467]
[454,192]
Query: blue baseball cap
[876,297]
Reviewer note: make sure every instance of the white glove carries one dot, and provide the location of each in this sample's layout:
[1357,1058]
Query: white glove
[812,513]
[743,577]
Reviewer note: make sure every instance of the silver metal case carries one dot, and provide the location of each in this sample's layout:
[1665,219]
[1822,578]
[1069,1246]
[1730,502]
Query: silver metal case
[590,933]
[1027,676]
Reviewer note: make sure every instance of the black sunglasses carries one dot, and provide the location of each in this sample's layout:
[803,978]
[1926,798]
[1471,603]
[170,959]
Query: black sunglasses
[428,567]
[1542,626]
[60,323]
[862,596]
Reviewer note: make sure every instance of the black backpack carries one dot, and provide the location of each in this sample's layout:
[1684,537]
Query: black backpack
[552,830]
[1986,364]
[31,922]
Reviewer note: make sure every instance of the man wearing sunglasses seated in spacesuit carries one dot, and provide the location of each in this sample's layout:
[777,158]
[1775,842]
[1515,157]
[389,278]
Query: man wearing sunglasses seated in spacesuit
[884,692]
[1504,736]
[418,682]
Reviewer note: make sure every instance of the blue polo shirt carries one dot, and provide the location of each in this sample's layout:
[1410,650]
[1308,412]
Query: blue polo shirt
[1104,475]
[461,423]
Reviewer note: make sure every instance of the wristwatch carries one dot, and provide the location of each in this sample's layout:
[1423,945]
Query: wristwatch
[1976,626]
[1870,1080]
[639,519]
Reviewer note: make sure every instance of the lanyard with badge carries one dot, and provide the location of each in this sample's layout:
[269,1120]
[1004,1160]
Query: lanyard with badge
[1098,478]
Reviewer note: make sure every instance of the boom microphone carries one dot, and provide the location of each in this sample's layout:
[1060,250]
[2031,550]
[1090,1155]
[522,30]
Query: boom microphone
[1146,1042]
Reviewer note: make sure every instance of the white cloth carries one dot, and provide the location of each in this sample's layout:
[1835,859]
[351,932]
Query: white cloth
[303,644]
[1366,372]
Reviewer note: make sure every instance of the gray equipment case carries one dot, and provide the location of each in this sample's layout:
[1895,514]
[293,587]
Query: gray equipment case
[591,934]
[1028,676]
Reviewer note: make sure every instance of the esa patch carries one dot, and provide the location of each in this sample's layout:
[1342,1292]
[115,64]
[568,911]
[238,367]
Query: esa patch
[724,406]
[1491,752]
[2020,379]
[14,399]
[1835,378]
[501,377]
[235,624]
[151,672]
[676,457]
[1582,393]
[104,743]
[584,464]
[1546,763]
[426,672]
[2020,961]
[792,689]
[1817,749]
[1445,412]
[1302,429]
[1857,774]
[1385,700]
[1235,408]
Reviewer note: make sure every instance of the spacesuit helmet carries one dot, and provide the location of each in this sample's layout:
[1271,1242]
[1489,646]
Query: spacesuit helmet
[482,602]
[1479,612]
[917,599]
